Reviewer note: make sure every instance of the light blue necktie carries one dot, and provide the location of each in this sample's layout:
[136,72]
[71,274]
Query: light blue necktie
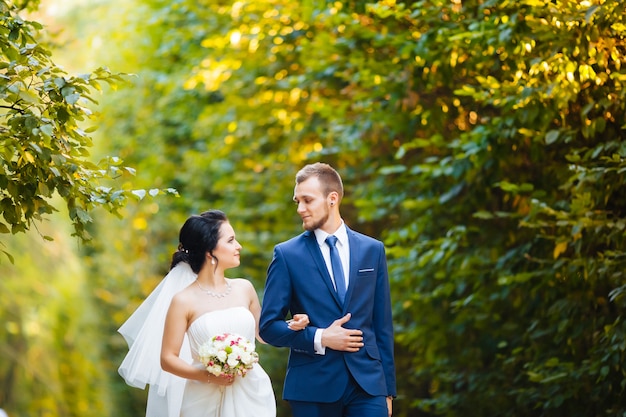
[335,261]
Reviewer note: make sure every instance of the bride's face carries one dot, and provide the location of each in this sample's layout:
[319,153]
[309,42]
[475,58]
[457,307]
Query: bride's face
[227,249]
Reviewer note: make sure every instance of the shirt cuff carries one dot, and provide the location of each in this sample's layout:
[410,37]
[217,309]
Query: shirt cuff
[317,343]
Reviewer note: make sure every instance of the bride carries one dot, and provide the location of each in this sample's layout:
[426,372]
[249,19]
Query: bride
[192,304]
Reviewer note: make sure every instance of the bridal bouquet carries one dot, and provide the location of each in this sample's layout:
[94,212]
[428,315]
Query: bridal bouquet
[228,354]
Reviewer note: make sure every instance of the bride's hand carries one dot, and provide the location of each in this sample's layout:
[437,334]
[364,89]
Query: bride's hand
[225,380]
[298,322]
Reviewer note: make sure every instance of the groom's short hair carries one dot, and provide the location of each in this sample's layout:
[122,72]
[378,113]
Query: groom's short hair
[327,175]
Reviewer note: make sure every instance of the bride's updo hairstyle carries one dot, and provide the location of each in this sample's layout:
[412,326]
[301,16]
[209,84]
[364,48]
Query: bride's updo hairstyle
[198,236]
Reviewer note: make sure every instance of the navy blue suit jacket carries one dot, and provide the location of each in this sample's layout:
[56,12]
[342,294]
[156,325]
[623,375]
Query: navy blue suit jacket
[298,282]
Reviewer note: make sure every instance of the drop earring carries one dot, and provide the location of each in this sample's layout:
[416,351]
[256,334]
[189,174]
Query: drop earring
[212,261]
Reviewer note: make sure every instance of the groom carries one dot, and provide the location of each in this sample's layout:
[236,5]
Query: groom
[342,364]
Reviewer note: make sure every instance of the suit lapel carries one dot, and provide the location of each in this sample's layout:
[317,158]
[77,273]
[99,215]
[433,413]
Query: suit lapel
[316,254]
[355,253]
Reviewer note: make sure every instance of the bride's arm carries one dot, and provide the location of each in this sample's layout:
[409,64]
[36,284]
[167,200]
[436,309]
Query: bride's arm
[255,308]
[173,335]
[298,322]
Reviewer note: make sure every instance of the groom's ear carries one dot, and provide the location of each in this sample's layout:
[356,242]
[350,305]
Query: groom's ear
[333,198]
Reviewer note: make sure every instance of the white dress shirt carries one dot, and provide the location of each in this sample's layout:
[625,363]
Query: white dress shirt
[343,248]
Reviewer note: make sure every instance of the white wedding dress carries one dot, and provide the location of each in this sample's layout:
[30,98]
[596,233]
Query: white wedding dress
[171,396]
[248,396]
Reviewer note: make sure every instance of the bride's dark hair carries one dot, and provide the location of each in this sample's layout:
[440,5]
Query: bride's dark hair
[198,236]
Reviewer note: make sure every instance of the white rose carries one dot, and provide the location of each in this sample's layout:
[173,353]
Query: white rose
[233,360]
[246,358]
[215,370]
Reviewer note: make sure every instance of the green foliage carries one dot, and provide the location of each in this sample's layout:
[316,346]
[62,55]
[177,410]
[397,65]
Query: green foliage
[44,145]
[52,364]
[482,140]
[512,235]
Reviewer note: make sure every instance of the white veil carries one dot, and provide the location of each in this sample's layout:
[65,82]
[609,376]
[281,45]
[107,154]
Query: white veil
[143,331]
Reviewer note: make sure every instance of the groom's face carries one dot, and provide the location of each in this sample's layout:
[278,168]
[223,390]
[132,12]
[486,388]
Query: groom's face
[313,206]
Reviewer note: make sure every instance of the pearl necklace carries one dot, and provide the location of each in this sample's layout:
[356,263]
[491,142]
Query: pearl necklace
[216,294]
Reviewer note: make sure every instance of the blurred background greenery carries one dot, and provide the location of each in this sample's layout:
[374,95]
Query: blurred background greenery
[483,141]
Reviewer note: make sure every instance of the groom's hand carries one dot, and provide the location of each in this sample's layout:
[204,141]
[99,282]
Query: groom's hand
[298,322]
[336,337]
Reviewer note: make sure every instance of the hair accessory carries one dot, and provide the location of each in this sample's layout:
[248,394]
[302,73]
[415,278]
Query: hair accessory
[182,249]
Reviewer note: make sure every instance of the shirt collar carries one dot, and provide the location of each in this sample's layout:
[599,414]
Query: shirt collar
[341,234]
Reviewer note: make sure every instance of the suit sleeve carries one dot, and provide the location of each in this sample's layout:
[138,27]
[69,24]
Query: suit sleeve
[383,323]
[277,302]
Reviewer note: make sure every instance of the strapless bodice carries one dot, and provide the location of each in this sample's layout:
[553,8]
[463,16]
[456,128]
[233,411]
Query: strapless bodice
[238,320]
